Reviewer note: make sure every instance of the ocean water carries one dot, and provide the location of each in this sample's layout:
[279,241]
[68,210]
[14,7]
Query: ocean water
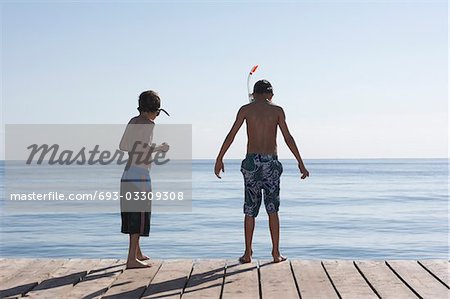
[346,209]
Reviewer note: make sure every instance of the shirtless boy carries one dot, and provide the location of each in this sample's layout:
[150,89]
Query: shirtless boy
[261,168]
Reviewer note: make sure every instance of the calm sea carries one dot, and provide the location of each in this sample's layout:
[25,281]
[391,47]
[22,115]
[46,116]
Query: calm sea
[347,209]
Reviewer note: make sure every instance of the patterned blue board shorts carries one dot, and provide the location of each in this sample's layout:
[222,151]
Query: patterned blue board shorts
[261,172]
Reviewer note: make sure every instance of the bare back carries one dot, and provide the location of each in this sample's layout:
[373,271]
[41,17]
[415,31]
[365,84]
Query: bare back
[262,121]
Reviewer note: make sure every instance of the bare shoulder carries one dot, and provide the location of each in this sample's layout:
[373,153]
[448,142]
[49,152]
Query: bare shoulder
[244,109]
[277,108]
[246,106]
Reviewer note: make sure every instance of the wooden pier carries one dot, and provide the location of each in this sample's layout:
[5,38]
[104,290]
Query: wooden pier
[107,278]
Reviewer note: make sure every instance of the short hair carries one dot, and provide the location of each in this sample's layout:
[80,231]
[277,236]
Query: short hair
[262,86]
[149,101]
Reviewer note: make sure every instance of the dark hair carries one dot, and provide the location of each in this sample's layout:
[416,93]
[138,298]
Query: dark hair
[149,101]
[262,86]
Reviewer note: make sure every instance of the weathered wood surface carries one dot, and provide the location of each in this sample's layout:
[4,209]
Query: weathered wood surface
[170,280]
[312,280]
[241,280]
[440,269]
[29,277]
[347,280]
[419,279]
[277,280]
[132,283]
[62,279]
[206,279]
[98,280]
[383,280]
[108,278]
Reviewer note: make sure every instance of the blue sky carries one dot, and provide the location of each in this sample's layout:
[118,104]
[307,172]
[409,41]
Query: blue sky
[357,79]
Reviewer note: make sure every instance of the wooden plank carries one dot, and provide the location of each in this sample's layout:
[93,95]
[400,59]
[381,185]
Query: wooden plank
[419,279]
[98,280]
[45,278]
[277,280]
[133,282]
[170,280]
[439,268]
[347,280]
[5,262]
[383,280]
[10,267]
[61,281]
[312,280]
[206,279]
[241,280]
[29,277]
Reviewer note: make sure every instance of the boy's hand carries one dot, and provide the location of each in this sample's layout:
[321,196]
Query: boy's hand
[218,167]
[303,170]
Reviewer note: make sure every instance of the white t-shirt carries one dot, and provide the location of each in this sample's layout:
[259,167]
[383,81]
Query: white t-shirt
[137,141]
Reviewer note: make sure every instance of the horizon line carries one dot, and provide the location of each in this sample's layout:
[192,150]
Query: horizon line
[306,159]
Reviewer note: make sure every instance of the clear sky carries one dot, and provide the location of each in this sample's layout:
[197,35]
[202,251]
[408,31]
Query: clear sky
[357,79]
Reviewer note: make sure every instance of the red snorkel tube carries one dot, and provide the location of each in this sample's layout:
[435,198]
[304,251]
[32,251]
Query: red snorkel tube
[250,94]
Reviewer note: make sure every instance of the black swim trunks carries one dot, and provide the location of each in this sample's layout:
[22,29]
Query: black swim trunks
[135,214]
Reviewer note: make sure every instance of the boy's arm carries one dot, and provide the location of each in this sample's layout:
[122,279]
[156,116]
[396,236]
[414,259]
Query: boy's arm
[290,142]
[228,141]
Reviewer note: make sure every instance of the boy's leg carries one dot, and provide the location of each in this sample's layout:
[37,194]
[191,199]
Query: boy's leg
[132,261]
[144,224]
[272,202]
[249,226]
[274,225]
[139,254]
[252,202]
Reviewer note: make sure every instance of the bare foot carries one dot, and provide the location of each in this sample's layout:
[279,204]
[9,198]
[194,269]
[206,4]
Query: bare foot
[279,258]
[143,257]
[246,258]
[133,264]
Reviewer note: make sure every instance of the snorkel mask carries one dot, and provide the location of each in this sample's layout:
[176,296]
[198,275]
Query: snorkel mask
[159,111]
